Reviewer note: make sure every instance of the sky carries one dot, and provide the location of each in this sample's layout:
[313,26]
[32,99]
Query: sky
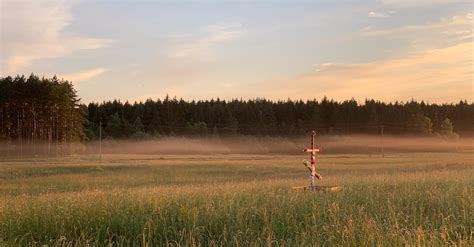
[387,50]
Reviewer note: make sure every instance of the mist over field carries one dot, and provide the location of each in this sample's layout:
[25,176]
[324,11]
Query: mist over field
[278,145]
[349,144]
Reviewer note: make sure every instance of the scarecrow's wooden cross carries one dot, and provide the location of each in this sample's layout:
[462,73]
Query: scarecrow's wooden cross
[312,166]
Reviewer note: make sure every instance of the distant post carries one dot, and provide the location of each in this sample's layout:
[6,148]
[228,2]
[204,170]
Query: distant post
[100,140]
[382,141]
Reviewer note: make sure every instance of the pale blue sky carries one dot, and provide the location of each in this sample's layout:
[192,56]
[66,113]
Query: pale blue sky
[134,50]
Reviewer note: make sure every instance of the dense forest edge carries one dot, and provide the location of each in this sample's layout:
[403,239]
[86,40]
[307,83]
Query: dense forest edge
[34,109]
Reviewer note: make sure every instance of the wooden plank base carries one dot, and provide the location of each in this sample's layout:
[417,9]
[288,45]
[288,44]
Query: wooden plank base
[319,188]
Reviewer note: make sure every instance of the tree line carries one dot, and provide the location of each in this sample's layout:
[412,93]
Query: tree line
[172,116]
[37,109]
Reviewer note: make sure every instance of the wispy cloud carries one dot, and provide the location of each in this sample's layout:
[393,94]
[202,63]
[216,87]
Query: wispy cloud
[201,45]
[373,14]
[84,75]
[418,3]
[452,25]
[34,30]
[437,75]
[445,32]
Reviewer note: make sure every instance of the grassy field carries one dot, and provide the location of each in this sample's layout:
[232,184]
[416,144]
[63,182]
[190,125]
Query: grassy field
[237,200]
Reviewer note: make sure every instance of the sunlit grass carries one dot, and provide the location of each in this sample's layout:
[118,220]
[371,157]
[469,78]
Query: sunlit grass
[414,199]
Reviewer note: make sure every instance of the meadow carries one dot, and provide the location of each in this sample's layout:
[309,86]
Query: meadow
[411,198]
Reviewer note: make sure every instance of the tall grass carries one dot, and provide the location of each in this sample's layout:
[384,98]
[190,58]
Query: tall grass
[239,201]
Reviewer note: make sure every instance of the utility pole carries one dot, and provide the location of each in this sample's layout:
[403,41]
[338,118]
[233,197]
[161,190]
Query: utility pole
[100,140]
[382,143]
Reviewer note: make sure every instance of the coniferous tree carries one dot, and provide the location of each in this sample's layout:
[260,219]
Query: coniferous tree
[37,109]
[138,125]
[114,126]
[419,124]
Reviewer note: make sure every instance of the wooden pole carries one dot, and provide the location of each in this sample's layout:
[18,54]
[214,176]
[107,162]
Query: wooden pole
[100,140]
[382,143]
[312,165]
[313,160]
